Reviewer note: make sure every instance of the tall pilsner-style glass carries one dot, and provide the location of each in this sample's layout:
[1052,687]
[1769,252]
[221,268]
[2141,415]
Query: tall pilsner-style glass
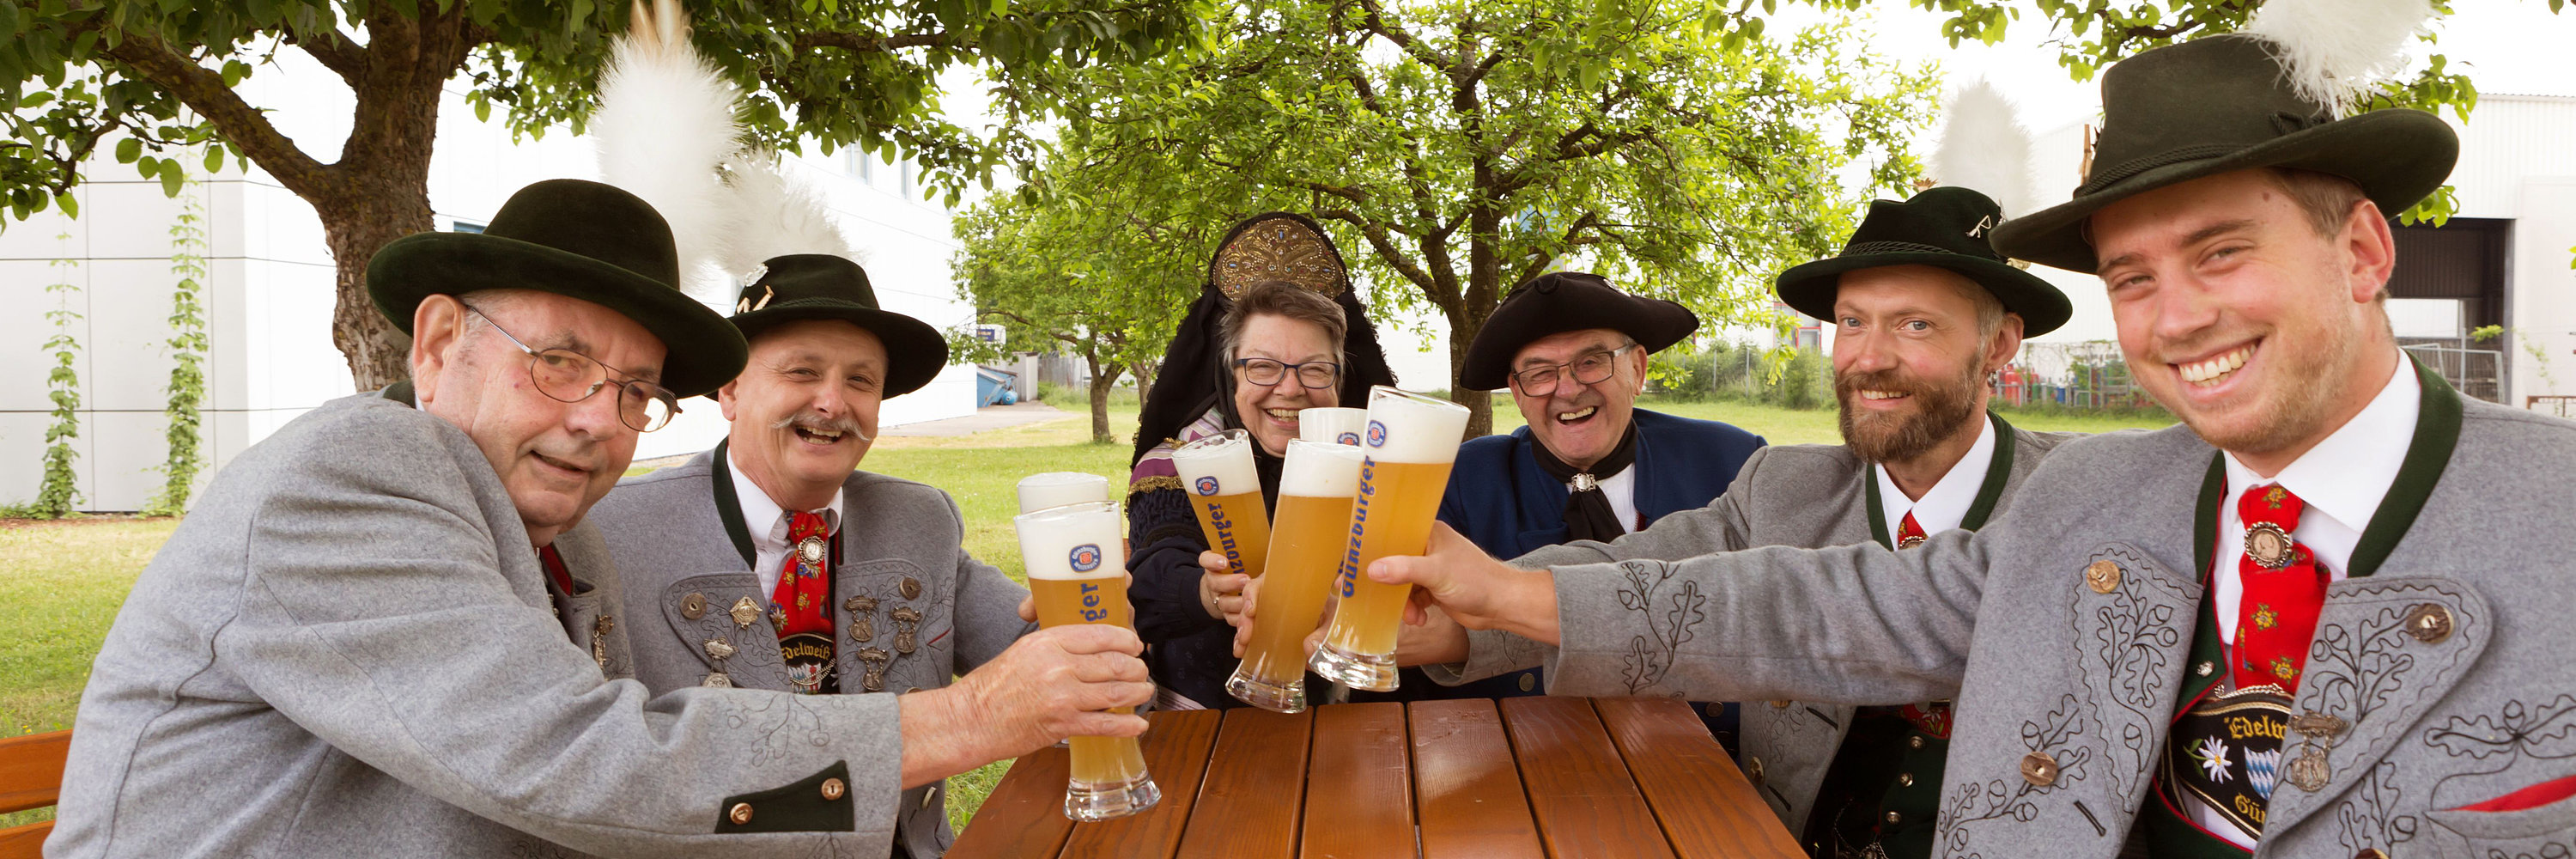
[1059,488]
[1316,486]
[1077,574]
[1216,474]
[1332,425]
[1410,443]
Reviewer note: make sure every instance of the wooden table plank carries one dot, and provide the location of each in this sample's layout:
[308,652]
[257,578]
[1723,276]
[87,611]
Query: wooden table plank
[1471,801]
[1359,784]
[1024,816]
[1251,800]
[1176,754]
[1580,790]
[1705,805]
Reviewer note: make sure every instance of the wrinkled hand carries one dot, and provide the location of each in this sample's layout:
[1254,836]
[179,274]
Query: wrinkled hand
[1221,592]
[1473,589]
[1437,640]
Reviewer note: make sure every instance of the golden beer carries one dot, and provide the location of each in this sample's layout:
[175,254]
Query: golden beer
[1316,485]
[1411,442]
[1225,492]
[1077,574]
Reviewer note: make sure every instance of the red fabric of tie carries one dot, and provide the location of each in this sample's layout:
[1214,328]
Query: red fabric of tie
[2277,616]
[803,591]
[553,562]
[1908,532]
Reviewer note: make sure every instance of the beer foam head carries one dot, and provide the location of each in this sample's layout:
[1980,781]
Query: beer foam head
[1059,488]
[1332,425]
[1076,541]
[1409,427]
[1318,469]
[1220,464]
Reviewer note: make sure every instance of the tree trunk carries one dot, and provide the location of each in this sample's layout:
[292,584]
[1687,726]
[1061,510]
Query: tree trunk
[378,353]
[379,190]
[1101,380]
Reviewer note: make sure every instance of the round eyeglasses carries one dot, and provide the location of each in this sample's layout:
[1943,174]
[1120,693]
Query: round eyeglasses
[571,377]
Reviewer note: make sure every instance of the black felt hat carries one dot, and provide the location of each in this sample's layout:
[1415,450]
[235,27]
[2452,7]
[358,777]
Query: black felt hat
[574,238]
[799,287]
[1562,301]
[2218,105]
[1945,227]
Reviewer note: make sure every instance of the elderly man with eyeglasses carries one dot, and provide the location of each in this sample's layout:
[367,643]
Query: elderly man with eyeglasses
[1589,465]
[388,631]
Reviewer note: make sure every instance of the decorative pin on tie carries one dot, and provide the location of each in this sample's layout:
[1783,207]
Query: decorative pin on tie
[810,552]
[1585,482]
[1910,541]
[2268,545]
[863,618]
[907,620]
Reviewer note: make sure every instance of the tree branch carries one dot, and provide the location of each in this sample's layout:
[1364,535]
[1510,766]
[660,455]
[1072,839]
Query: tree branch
[337,52]
[864,44]
[242,125]
[1375,21]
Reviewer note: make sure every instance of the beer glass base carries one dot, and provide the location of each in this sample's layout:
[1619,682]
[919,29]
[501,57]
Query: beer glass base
[1357,670]
[1276,698]
[1085,801]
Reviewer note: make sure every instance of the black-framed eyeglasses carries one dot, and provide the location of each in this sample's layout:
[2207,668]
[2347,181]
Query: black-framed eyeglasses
[571,377]
[1589,368]
[1265,372]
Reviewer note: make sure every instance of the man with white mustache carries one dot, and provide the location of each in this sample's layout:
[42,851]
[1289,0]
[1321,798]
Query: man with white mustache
[771,562]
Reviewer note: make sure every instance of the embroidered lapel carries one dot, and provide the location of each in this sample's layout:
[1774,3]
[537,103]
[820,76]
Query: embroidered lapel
[2386,651]
[753,661]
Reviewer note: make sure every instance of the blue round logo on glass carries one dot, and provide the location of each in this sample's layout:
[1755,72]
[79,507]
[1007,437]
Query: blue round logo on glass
[1085,557]
[1377,434]
[1349,438]
[1207,486]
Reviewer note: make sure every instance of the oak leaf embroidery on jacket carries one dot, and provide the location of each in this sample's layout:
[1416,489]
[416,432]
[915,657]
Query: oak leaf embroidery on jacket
[1668,624]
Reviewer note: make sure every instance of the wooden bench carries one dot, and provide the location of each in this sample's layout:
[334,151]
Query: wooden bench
[31,776]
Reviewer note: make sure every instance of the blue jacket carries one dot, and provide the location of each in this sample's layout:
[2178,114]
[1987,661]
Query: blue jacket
[1500,499]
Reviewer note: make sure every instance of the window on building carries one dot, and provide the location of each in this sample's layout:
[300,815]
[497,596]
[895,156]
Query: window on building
[459,226]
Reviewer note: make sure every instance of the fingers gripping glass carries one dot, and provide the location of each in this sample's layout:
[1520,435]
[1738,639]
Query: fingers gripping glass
[571,377]
[1318,375]
[1589,368]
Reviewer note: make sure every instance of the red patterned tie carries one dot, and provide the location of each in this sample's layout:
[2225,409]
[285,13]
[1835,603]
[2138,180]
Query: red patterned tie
[1908,532]
[2285,588]
[801,604]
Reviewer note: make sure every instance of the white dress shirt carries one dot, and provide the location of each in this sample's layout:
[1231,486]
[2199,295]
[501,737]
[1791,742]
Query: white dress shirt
[766,522]
[1621,490]
[1946,504]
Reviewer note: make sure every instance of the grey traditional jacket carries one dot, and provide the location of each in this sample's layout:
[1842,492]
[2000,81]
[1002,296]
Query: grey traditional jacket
[1809,496]
[349,649]
[913,609]
[2441,683]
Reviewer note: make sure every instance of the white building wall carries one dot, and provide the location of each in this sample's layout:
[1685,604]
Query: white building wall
[270,290]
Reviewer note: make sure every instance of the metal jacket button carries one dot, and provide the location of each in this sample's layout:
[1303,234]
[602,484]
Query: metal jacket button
[2429,623]
[2102,576]
[740,814]
[2039,769]
[833,789]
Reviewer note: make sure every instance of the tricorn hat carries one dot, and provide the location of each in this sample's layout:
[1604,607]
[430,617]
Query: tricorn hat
[1562,301]
[574,238]
[799,287]
[1945,227]
[2217,105]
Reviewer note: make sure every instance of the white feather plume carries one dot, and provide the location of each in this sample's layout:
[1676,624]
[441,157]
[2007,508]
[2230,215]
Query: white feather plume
[1985,148]
[2339,52]
[665,125]
[773,214]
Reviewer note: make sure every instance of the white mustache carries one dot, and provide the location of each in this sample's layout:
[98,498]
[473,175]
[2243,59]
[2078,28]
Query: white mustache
[839,425]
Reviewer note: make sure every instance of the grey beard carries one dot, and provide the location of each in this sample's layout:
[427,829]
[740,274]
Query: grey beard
[842,425]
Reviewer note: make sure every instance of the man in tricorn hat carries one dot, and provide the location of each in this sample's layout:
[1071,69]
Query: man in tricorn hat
[2327,618]
[771,562]
[1924,313]
[1589,464]
[387,630]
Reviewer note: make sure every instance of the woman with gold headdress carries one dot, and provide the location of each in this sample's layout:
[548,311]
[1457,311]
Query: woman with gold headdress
[1277,328]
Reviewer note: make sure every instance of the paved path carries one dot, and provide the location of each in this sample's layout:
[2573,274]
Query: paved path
[986,418]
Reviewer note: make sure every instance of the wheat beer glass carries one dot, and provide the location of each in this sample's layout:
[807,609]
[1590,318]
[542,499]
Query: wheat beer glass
[1332,425]
[1410,442]
[1059,488]
[1307,540]
[1216,474]
[1077,572]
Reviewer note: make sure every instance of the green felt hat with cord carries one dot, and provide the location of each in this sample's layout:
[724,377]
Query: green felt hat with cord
[1944,227]
[574,238]
[2226,103]
[800,287]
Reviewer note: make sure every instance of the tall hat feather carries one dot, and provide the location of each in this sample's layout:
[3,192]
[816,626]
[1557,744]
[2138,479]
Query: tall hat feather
[668,132]
[1985,148]
[2338,52]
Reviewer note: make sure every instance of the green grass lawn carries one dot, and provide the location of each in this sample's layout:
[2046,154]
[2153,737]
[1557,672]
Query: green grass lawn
[63,581]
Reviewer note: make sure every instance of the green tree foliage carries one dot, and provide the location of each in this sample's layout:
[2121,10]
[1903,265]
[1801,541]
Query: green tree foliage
[153,77]
[1459,147]
[1091,269]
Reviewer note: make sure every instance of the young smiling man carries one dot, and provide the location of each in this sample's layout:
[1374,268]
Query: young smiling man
[2326,618]
[771,562]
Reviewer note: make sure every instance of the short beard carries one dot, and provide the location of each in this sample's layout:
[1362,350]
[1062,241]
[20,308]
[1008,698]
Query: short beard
[1942,412]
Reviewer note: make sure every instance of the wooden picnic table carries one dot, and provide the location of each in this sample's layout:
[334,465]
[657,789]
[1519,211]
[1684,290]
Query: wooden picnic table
[1540,778]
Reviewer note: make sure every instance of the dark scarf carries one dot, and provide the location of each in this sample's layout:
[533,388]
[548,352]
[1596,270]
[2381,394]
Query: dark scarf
[1587,511]
[1196,378]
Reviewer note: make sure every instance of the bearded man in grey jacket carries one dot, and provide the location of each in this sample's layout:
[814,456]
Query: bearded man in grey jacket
[2327,618]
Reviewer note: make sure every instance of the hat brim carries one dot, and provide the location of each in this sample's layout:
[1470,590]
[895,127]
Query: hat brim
[915,352]
[702,352]
[2397,156]
[1654,323]
[1811,288]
